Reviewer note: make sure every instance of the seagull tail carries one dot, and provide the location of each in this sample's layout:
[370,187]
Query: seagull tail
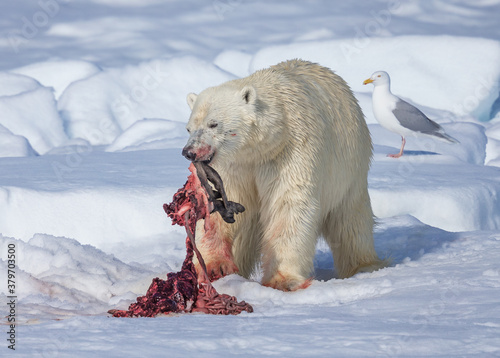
[446,137]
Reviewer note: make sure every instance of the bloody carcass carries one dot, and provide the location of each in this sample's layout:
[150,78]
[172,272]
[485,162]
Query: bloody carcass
[186,291]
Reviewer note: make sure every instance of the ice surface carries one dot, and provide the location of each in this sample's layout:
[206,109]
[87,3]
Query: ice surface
[92,115]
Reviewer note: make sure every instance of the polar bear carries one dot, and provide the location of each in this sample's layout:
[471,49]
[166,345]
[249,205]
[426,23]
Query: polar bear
[291,144]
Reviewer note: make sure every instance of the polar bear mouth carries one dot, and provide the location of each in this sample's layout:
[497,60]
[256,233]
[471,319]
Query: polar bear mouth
[208,160]
[205,161]
[203,155]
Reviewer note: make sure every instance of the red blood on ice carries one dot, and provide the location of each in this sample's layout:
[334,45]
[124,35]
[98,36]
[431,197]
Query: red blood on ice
[184,291]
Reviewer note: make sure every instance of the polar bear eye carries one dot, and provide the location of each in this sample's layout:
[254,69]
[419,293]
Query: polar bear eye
[212,124]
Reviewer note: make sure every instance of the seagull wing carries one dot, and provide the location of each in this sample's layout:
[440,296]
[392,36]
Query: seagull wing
[412,118]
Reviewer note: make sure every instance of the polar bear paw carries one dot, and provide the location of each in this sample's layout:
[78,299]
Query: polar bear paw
[285,282]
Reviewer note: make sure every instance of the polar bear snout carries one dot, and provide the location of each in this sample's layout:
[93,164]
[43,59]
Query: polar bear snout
[204,153]
[199,148]
[189,153]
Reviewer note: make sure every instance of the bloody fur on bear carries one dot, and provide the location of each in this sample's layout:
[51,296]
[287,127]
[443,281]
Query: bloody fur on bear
[185,291]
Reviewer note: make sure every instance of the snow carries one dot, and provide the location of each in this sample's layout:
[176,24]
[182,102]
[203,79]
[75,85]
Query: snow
[438,81]
[33,115]
[102,106]
[58,74]
[12,84]
[93,103]
[14,145]
[150,133]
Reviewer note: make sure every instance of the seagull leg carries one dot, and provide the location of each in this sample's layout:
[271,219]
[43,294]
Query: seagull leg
[403,142]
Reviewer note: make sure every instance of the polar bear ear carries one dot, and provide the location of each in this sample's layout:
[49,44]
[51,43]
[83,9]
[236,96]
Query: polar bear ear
[191,98]
[248,94]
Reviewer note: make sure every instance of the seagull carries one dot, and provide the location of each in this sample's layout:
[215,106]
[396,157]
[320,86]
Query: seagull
[399,116]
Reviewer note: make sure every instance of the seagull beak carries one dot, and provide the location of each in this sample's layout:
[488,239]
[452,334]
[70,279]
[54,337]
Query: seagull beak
[369,80]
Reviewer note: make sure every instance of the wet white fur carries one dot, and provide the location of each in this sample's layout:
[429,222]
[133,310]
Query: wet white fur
[292,146]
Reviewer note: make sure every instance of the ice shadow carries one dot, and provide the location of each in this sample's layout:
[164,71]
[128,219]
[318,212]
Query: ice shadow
[398,239]
[410,241]
[384,150]
[419,152]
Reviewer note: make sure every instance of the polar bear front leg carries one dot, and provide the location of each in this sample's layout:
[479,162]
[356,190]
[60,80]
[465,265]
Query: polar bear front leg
[289,221]
[215,246]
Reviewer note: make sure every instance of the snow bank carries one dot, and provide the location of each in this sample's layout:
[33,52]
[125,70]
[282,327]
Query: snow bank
[456,74]
[58,74]
[102,216]
[493,146]
[493,152]
[235,62]
[12,84]
[29,123]
[101,107]
[98,106]
[98,198]
[33,115]
[47,267]
[436,192]
[150,133]
[12,145]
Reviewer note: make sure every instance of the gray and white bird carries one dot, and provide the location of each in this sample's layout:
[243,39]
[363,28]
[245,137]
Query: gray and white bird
[399,116]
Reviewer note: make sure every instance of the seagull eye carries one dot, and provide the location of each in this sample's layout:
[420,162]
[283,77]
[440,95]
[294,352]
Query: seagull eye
[212,125]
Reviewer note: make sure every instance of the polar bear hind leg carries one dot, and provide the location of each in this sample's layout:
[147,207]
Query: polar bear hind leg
[348,230]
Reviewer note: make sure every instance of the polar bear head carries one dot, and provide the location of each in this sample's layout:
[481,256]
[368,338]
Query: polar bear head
[227,123]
